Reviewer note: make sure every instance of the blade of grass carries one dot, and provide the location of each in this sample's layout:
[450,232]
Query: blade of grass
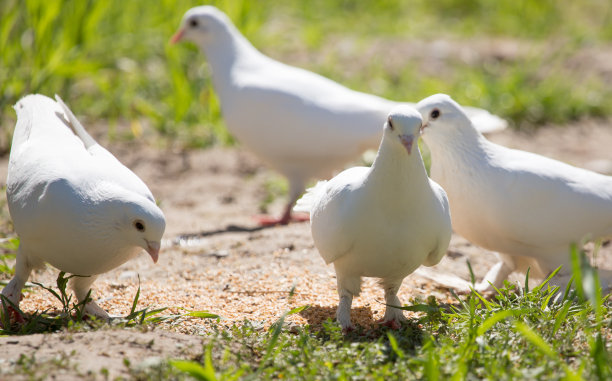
[539,287]
[576,270]
[136,297]
[484,301]
[195,370]
[393,343]
[472,276]
[535,339]
[276,329]
[561,317]
[495,318]
[416,308]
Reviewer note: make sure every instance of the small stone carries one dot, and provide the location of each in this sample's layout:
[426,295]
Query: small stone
[128,275]
[219,254]
[150,362]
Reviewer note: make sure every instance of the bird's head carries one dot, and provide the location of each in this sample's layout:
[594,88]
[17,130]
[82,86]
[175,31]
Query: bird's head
[35,107]
[137,222]
[403,126]
[443,119]
[201,24]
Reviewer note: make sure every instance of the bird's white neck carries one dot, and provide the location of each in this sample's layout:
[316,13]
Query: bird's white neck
[397,169]
[456,153]
[230,49]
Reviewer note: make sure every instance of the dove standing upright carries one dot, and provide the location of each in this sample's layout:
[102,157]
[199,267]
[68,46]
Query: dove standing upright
[527,207]
[383,221]
[301,124]
[73,204]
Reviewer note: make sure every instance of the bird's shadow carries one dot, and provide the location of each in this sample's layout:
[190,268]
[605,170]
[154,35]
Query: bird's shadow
[321,320]
[228,229]
[316,315]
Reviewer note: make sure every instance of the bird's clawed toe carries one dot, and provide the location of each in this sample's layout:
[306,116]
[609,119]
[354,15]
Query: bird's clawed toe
[393,323]
[95,310]
[265,220]
[14,315]
[393,318]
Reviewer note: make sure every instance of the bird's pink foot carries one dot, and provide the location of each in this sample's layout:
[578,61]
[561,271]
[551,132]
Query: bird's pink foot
[265,220]
[300,217]
[14,315]
[347,330]
[393,324]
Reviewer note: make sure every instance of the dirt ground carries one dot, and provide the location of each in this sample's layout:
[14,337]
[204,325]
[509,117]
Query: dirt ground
[216,258]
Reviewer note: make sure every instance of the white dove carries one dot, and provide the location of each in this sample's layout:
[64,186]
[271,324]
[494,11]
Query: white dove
[527,207]
[301,124]
[383,221]
[73,204]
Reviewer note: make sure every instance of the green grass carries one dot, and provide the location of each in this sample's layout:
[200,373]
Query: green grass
[517,335]
[8,251]
[111,60]
[71,314]
[8,241]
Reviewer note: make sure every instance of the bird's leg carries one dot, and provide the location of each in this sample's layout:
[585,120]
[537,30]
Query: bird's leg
[290,216]
[296,188]
[343,314]
[347,287]
[496,274]
[81,285]
[283,220]
[266,220]
[12,291]
[393,316]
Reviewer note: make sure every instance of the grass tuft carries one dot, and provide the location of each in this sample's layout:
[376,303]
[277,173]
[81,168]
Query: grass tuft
[518,334]
[71,315]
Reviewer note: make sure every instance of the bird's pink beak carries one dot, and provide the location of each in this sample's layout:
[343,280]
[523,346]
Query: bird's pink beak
[153,250]
[177,36]
[407,141]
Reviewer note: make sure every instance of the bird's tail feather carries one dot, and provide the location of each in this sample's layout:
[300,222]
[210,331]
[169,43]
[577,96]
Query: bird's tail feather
[76,126]
[304,204]
[443,279]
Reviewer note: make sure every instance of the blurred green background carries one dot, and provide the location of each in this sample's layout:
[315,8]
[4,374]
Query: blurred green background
[532,62]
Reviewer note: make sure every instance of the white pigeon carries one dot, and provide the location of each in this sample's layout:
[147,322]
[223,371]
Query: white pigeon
[301,124]
[527,207]
[73,204]
[383,221]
